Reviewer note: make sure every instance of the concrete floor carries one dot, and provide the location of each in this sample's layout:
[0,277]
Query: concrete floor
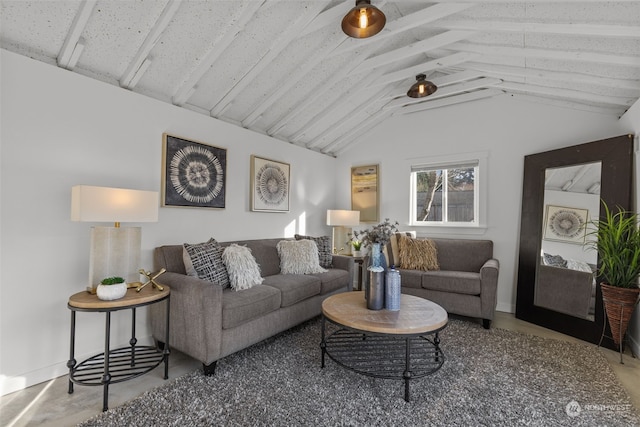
[49,404]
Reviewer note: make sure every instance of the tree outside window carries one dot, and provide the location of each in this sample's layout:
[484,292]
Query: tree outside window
[445,195]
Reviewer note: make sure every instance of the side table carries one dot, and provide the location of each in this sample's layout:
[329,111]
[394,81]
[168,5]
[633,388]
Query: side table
[122,364]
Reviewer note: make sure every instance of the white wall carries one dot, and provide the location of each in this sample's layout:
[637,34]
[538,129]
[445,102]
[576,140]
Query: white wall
[631,121]
[60,129]
[504,127]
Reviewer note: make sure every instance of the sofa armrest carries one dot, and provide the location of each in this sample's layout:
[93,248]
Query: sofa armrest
[344,262]
[489,288]
[196,316]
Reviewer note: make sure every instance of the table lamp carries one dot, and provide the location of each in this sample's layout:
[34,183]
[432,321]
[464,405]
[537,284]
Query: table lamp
[115,251]
[342,221]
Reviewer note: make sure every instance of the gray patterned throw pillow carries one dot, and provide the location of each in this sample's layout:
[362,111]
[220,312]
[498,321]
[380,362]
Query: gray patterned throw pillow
[324,249]
[206,259]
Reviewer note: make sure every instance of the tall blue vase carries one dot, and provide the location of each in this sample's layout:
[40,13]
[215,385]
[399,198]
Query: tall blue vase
[377,257]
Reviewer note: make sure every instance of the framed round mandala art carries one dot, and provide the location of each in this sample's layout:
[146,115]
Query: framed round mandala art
[564,224]
[269,185]
[193,174]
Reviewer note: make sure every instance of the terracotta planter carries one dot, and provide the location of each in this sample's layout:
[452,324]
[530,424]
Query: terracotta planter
[619,304]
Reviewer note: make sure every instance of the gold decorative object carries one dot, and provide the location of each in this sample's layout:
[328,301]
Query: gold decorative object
[152,280]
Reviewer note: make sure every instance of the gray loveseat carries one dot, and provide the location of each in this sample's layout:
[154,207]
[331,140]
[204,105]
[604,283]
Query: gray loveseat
[466,283]
[209,323]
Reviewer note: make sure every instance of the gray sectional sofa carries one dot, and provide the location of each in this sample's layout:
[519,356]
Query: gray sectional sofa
[209,322]
[466,283]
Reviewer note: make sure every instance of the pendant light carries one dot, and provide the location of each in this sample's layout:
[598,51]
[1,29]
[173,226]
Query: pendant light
[421,88]
[363,20]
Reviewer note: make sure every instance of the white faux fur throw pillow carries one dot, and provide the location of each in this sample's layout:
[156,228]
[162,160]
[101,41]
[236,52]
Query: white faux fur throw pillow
[244,271]
[299,257]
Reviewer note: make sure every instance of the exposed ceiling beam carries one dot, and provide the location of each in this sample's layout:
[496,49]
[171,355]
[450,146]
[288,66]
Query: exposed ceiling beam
[435,42]
[290,81]
[608,110]
[328,17]
[346,113]
[286,37]
[319,91]
[135,70]
[73,46]
[599,30]
[507,72]
[451,100]
[186,89]
[472,85]
[424,68]
[351,138]
[567,93]
[562,55]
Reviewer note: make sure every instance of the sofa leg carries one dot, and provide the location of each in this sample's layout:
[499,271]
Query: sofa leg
[486,323]
[210,369]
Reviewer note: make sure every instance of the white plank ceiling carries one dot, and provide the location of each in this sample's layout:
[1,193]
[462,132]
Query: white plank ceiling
[285,68]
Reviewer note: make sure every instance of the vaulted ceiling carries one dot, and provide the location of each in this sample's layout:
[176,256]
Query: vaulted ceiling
[285,68]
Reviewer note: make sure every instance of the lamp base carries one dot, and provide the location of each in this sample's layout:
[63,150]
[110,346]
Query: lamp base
[115,251]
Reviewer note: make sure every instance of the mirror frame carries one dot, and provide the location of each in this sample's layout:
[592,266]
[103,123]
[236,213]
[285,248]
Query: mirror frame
[616,155]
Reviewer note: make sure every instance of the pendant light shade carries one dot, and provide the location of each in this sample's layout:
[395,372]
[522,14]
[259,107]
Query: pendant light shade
[363,20]
[422,87]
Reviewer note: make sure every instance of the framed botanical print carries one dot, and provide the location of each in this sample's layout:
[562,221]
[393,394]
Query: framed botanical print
[270,185]
[193,174]
[564,224]
[364,192]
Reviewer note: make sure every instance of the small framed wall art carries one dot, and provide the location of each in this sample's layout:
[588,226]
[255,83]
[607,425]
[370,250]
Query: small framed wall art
[270,185]
[193,174]
[563,224]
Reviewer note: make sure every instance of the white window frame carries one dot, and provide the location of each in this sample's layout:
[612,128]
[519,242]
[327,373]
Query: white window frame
[479,160]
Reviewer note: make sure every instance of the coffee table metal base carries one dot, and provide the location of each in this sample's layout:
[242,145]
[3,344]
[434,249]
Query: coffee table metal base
[404,357]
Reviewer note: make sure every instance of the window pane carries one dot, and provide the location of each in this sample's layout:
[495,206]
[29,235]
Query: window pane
[429,195]
[460,195]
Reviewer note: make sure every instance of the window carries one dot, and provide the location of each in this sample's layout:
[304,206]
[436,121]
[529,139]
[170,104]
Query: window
[445,194]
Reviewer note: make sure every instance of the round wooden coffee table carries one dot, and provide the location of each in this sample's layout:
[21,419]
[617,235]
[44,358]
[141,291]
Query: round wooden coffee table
[400,344]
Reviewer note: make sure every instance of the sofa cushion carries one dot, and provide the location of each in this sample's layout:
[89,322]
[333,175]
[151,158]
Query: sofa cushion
[417,254]
[325,254]
[299,257]
[411,279]
[332,280]
[393,248]
[204,260]
[243,306]
[294,287]
[459,282]
[476,253]
[242,267]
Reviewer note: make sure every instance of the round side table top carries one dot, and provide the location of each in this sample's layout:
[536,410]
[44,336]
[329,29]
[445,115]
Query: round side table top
[416,315]
[148,294]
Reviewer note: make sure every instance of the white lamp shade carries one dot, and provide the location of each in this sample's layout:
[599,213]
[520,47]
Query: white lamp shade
[343,218]
[104,204]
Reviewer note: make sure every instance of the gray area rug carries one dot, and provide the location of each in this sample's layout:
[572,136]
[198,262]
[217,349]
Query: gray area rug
[490,378]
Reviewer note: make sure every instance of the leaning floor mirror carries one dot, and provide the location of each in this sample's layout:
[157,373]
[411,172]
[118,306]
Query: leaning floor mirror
[562,192]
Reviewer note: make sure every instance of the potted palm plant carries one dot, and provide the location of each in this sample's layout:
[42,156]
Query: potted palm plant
[616,237]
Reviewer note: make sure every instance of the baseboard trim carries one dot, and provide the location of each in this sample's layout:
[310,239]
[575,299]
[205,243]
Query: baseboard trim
[506,308]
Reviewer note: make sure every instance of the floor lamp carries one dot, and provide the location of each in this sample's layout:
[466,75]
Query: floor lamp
[342,221]
[115,251]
